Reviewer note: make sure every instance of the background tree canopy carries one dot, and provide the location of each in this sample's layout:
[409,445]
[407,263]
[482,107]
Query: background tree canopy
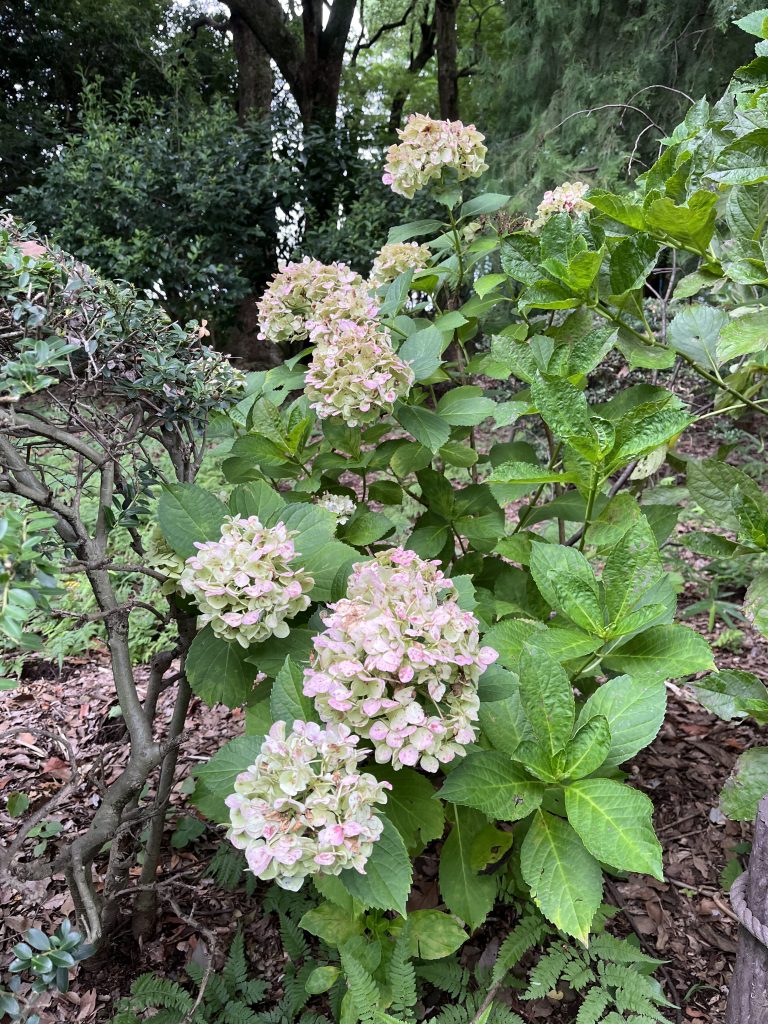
[188,147]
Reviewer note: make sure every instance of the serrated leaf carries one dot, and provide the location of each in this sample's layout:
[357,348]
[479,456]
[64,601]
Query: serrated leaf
[287,702]
[565,880]
[188,514]
[743,162]
[695,332]
[746,786]
[215,779]
[525,473]
[466,893]
[465,406]
[413,229]
[756,603]
[547,697]
[661,652]
[567,583]
[411,806]
[631,569]
[615,824]
[217,670]
[425,426]
[489,782]
[386,883]
[504,722]
[732,694]
[634,712]
[587,750]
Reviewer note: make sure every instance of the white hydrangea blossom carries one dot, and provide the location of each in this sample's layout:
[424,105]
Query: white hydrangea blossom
[427,148]
[395,258]
[244,583]
[160,555]
[309,291]
[341,505]
[399,661]
[566,198]
[354,373]
[305,808]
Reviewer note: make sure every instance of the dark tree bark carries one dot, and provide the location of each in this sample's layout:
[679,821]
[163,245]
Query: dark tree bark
[447,68]
[748,996]
[254,72]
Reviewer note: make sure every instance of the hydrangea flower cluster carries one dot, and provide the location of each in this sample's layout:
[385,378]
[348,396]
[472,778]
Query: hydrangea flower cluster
[244,584]
[395,259]
[566,198]
[341,505]
[427,148]
[304,808]
[159,555]
[308,291]
[399,662]
[355,373]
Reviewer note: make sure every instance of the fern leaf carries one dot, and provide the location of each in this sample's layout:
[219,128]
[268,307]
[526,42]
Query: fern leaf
[620,951]
[227,867]
[578,974]
[503,1015]
[596,1002]
[238,1013]
[149,992]
[548,971]
[362,988]
[253,991]
[294,942]
[402,977]
[235,971]
[529,931]
[447,975]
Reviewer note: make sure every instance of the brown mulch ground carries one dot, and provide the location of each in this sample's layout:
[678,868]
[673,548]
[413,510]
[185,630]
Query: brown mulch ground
[686,920]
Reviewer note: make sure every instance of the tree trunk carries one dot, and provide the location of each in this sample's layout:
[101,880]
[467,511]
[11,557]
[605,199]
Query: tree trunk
[447,68]
[254,72]
[748,996]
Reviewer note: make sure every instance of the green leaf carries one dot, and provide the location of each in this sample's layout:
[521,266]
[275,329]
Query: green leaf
[432,934]
[631,569]
[288,703]
[217,670]
[711,484]
[692,225]
[366,528]
[488,781]
[413,229]
[547,697]
[188,514]
[387,879]
[566,582]
[743,162]
[504,723]
[269,656]
[257,498]
[731,694]
[425,426]
[746,786]
[423,350]
[566,882]
[615,824]
[466,893]
[411,806]
[16,804]
[662,652]
[742,335]
[487,283]
[695,332]
[587,750]
[331,923]
[564,408]
[465,406]
[525,473]
[634,712]
[321,980]
[215,779]
[618,208]
[489,202]
[756,603]
[755,23]
[631,262]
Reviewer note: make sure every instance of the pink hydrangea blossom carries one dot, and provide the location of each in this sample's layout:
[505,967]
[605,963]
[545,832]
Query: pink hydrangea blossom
[245,583]
[427,148]
[304,807]
[308,291]
[393,260]
[399,662]
[354,373]
[566,198]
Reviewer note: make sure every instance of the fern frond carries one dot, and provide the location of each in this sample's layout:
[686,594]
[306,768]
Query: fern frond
[447,975]
[526,934]
[294,942]
[227,867]
[149,992]
[503,1015]
[235,970]
[253,991]
[578,973]
[362,987]
[632,992]
[236,1012]
[620,951]
[596,1002]
[548,971]
[402,977]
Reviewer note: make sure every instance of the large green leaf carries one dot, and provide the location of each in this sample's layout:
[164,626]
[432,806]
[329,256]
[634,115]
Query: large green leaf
[565,880]
[215,779]
[217,670]
[634,711]
[615,824]
[747,785]
[526,473]
[547,697]
[425,426]
[423,350]
[662,652]
[756,603]
[587,750]
[742,335]
[465,406]
[269,656]
[743,162]
[288,703]
[504,723]
[413,229]
[188,514]
[466,892]
[631,262]
[566,582]
[434,934]
[387,879]
[411,806]
[488,781]
[257,498]
[564,409]
[695,332]
[731,694]
[691,225]
[631,568]
[712,483]
[618,208]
